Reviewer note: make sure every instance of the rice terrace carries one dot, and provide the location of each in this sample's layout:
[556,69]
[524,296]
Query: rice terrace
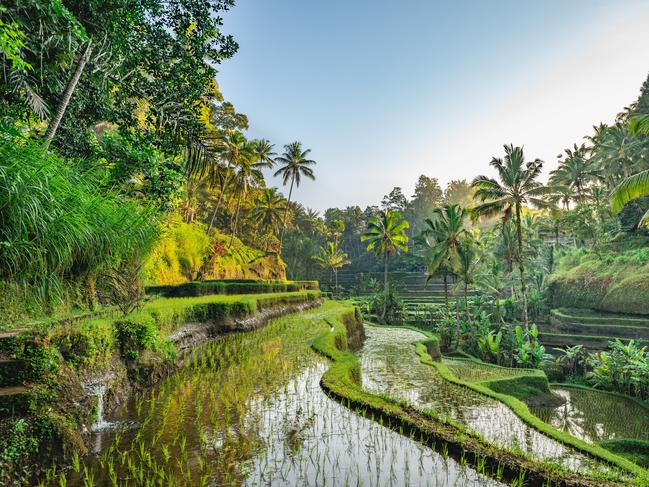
[340,244]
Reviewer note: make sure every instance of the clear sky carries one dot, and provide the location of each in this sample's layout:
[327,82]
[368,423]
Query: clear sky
[384,91]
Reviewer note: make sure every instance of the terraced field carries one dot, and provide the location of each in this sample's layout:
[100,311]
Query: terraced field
[418,294]
[593,329]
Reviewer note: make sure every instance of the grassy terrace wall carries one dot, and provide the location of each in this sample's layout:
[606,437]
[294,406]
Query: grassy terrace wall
[616,282]
[226,287]
[343,382]
[53,408]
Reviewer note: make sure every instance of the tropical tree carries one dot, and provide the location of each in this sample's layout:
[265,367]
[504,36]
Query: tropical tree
[294,165]
[575,171]
[385,236]
[441,240]
[631,188]
[517,187]
[264,152]
[468,259]
[333,258]
[234,148]
[248,173]
[268,210]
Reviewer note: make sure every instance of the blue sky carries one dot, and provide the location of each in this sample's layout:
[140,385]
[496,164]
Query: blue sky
[384,91]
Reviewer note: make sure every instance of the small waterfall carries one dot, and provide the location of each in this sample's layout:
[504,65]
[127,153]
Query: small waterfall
[99,390]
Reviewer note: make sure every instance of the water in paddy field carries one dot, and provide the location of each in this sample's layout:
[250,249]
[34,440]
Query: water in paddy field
[250,411]
[595,416]
[390,365]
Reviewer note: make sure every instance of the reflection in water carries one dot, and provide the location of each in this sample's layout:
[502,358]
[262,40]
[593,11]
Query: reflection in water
[595,416]
[250,411]
[390,365]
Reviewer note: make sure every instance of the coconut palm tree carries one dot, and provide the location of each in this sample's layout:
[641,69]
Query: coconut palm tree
[386,235]
[294,165]
[248,173]
[233,148]
[517,187]
[468,259]
[441,239]
[631,188]
[264,152]
[333,258]
[575,171]
[268,210]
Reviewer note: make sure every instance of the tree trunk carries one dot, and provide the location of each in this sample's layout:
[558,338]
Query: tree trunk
[336,280]
[67,95]
[466,301]
[236,219]
[288,202]
[385,285]
[521,267]
[446,291]
[218,202]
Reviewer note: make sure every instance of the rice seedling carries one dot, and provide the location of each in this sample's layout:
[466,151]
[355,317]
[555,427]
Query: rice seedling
[251,411]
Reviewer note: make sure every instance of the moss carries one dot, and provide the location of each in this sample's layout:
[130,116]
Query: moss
[616,282]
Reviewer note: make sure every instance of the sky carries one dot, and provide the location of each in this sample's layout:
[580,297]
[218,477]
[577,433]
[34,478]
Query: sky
[382,92]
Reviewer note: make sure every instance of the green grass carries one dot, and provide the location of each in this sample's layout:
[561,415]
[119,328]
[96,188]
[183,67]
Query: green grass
[522,411]
[342,381]
[636,451]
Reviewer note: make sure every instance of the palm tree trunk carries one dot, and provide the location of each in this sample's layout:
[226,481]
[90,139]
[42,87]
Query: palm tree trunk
[288,202]
[218,202]
[236,219]
[466,301]
[446,291]
[336,279]
[67,95]
[385,285]
[521,267]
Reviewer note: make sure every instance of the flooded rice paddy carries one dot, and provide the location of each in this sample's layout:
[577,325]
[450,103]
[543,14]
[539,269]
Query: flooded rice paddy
[596,416]
[249,411]
[390,365]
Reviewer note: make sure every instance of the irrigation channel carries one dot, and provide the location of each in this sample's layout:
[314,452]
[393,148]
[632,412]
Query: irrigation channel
[390,365]
[249,410]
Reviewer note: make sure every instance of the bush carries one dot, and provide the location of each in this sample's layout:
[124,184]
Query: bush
[134,336]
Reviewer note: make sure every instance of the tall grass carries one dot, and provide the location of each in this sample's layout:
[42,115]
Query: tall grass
[58,224]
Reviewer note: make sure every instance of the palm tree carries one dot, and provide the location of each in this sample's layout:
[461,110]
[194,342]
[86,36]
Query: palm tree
[615,152]
[333,258]
[518,186]
[575,171]
[386,235]
[248,173]
[631,188]
[294,165]
[269,208]
[264,152]
[441,240]
[468,259]
[233,148]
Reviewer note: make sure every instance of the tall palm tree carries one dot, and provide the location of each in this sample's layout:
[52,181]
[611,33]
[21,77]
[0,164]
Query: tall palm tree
[248,173]
[268,210]
[468,259]
[233,148]
[518,186]
[264,152]
[441,239]
[333,258]
[294,165]
[575,171]
[615,151]
[386,235]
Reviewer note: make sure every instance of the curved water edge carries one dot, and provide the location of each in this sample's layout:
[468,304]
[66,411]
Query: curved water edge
[390,365]
[250,410]
[595,416]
